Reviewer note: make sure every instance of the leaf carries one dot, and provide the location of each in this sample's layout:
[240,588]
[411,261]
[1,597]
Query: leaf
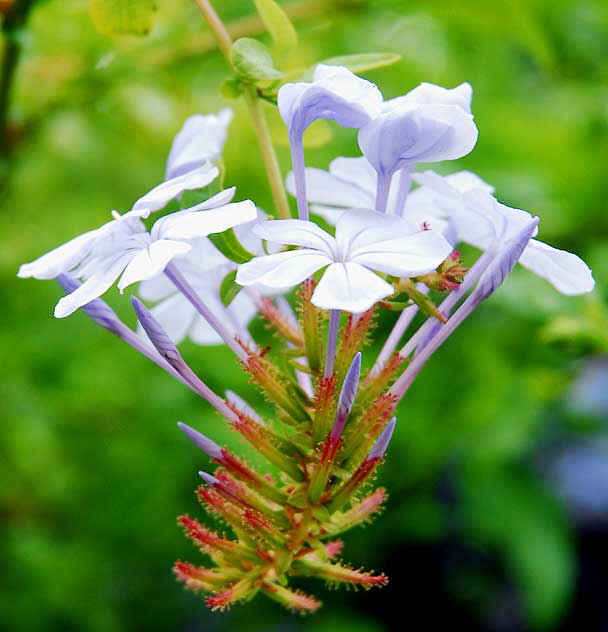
[355,63]
[123,17]
[229,288]
[231,88]
[229,245]
[278,24]
[253,61]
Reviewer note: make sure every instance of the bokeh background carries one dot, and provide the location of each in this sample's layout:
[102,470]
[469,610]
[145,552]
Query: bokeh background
[498,473]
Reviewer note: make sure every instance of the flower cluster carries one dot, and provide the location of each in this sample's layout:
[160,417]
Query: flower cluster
[211,266]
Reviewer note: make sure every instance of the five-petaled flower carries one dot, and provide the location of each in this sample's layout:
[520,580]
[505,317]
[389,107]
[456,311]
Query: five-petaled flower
[365,240]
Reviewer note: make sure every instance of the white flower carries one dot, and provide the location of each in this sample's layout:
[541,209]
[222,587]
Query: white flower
[365,240]
[200,139]
[479,219]
[204,268]
[335,93]
[428,124]
[124,247]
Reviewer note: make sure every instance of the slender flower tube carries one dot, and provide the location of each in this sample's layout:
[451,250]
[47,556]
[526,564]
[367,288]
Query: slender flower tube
[335,93]
[492,278]
[167,349]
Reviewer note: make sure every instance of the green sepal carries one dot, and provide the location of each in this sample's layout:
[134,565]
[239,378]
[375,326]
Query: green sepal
[231,88]
[321,514]
[229,288]
[396,306]
[229,245]
[253,61]
[298,499]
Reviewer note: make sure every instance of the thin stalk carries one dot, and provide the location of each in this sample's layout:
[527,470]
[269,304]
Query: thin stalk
[299,173]
[224,41]
[332,340]
[269,156]
[180,282]
[405,183]
[383,186]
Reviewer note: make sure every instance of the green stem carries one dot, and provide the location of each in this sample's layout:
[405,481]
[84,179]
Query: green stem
[14,20]
[269,157]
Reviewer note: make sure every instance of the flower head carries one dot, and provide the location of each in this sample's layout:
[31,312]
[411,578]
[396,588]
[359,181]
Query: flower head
[365,241]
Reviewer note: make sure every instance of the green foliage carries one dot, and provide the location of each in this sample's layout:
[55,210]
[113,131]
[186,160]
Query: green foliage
[123,17]
[229,288]
[253,61]
[278,25]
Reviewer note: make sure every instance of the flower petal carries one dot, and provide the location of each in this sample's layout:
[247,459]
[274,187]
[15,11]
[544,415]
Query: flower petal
[335,93]
[325,188]
[567,272]
[296,232]
[150,261]
[200,138]
[160,195]
[107,272]
[406,256]
[60,259]
[350,287]
[427,93]
[283,269]
[193,224]
[417,133]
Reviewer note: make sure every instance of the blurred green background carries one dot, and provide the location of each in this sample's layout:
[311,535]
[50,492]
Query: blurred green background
[498,473]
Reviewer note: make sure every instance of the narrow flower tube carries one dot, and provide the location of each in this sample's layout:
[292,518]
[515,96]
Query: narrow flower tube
[167,349]
[186,289]
[102,314]
[233,464]
[491,279]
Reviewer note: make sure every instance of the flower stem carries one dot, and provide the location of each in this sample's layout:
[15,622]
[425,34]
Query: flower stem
[332,339]
[269,156]
[224,41]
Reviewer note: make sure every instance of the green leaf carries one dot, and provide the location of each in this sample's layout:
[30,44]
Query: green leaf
[356,63]
[229,288]
[229,245]
[123,17]
[277,24]
[253,61]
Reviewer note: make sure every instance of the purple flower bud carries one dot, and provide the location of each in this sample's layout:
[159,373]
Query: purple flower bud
[210,480]
[97,310]
[159,338]
[504,261]
[347,396]
[379,448]
[208,446]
